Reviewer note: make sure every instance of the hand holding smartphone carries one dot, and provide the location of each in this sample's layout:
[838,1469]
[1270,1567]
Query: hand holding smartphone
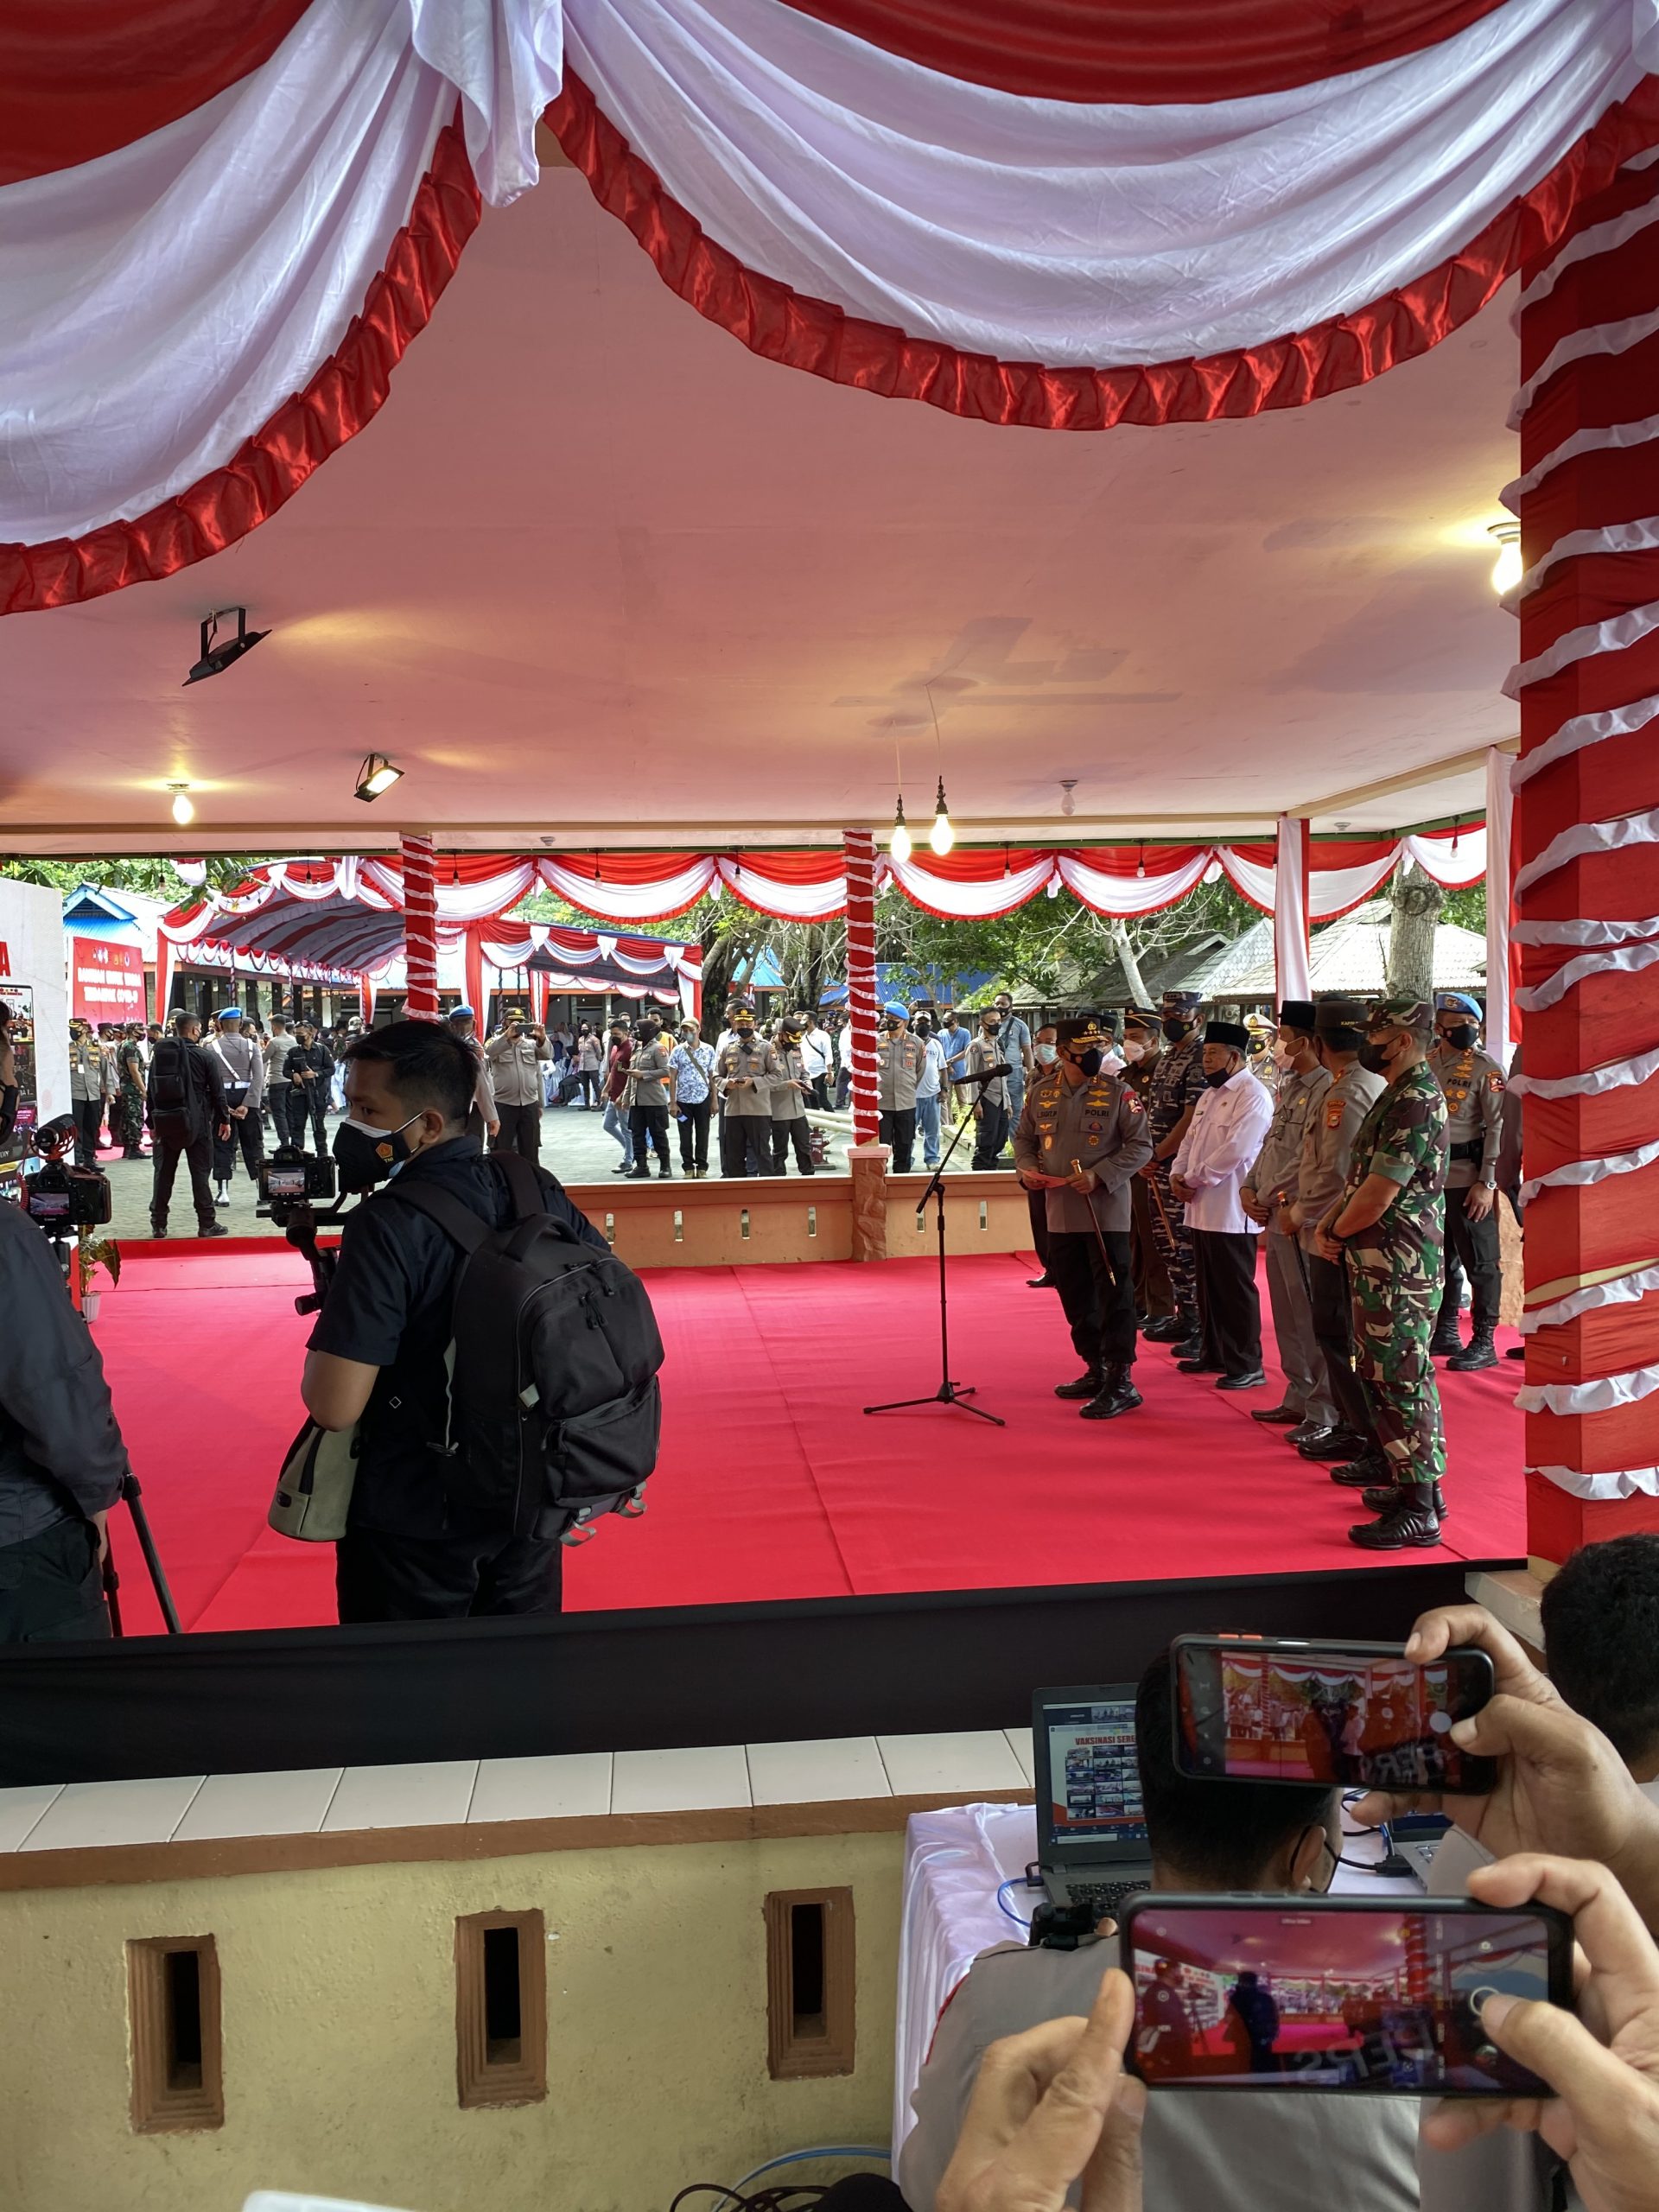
[1358,1716]
[1362,1994]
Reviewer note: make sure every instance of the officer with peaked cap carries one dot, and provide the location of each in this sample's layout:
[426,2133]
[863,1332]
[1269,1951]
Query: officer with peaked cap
[1176,1087]
[1082,1137]
[1474,1086]
[1269,1192]
[1386,1226]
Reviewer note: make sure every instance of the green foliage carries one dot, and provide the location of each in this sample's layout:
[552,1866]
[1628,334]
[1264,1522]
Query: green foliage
[155,877]
[1467,908]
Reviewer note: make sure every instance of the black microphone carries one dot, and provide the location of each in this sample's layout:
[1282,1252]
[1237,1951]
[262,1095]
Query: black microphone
[984,1074]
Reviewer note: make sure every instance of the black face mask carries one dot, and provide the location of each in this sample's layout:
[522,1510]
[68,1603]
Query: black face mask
[891,1028]
[1460,1035]
[1173,1030]
[1373,1058]
[1089,1061]
[1215,1076]
[366,1156]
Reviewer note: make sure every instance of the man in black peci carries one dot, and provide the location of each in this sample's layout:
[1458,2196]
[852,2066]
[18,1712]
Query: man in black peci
[412,1550]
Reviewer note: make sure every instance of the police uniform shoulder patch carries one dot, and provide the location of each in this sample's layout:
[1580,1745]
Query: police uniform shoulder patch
[1333,1114]
[1133,1097]
[1495,1081]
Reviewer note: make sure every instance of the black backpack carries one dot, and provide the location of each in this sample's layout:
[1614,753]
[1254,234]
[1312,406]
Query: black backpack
[170,1077]
[554,1412]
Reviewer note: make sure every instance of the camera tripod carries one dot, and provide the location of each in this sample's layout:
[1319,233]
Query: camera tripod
[133,1499]
[948,1393]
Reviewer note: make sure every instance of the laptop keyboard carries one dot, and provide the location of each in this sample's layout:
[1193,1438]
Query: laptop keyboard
[1100,1895]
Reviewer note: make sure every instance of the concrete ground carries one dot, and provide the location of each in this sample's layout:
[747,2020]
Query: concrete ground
[575,1148]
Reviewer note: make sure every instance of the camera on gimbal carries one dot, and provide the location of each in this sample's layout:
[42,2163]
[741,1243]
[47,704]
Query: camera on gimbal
[291,1181]
[64,1199]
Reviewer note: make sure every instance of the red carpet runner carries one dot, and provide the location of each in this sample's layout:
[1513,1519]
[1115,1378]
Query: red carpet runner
[772,1482]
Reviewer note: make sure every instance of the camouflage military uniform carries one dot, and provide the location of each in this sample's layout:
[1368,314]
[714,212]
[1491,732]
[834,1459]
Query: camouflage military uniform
[1176,1083]
[1394,1273]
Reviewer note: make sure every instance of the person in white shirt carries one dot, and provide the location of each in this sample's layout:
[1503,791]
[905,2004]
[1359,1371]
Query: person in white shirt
[1229,1124]
[927,1092]
[819,1054]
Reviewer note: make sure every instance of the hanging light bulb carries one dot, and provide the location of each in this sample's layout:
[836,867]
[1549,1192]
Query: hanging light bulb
[941,836]
[1140,865]
[899,844]
[183,809]
[1506,570]
[1068,805]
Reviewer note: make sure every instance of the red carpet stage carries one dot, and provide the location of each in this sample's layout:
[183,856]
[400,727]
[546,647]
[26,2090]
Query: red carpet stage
[772,1484]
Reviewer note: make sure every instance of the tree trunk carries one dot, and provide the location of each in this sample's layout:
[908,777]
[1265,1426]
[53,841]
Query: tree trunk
[1128,962]
[1415,901]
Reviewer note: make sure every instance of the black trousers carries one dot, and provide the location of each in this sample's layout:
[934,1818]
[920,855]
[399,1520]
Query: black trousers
[246,1136]
[168,1141]
[694,1134]
[990,1134]
[1332,1304]
[519,1130]
[821,1093]
[379,1577]
[51,1590]
[785,1134]
[309,1105]
[1099,1309]
[287,1122]
[1229,1312]
[898,1129]
[1037,1207]
[1472,1248]
[744,1144]
[1153,1292]
[650,1127]
[89,1119]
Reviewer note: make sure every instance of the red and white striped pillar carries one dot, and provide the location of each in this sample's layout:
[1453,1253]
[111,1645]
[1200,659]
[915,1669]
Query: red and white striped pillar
[420,928]
[859,846]
[1587,849]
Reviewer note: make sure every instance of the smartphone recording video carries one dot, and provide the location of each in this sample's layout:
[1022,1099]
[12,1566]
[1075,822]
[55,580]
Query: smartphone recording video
[1358,1715]
[1355,1993]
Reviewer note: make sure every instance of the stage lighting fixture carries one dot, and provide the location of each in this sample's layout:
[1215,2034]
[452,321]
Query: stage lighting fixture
[217,655]
[899,844]
[941,836]
[376,775]
[184,811]
[1506,570]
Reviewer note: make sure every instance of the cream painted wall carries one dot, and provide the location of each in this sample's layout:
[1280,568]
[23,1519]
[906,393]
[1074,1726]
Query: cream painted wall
[31,929]
[339,2045]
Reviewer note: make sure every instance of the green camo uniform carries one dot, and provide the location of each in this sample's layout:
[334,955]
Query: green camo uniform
[1394,1272]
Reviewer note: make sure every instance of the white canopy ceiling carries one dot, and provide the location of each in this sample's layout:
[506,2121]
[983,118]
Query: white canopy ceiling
[596,574]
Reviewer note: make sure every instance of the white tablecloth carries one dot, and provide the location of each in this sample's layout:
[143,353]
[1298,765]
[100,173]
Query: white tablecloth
[954,1862]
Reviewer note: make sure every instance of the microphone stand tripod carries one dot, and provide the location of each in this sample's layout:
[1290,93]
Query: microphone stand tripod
[948,1393]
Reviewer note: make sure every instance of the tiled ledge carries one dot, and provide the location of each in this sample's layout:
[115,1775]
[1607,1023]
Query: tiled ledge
[184,1827]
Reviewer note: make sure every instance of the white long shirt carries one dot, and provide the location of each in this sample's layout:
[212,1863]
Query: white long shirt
[1226,1132]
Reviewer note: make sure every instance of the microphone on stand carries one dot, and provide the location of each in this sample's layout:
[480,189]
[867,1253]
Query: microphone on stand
[984,1075]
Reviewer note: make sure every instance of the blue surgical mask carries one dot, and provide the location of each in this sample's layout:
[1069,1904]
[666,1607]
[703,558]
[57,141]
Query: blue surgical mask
[1047,1054]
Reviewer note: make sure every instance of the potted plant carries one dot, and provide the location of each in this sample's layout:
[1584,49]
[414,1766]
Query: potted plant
[92,1253]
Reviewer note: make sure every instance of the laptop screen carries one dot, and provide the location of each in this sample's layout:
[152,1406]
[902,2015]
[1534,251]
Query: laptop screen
[1091,1784]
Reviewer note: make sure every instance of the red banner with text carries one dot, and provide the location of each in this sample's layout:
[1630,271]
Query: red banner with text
[106,982]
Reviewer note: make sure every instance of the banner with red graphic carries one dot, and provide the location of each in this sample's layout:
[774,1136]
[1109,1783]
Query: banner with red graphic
[106,982]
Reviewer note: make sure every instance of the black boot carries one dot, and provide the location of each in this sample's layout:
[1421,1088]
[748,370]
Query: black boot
[1383,1496]
[1409,1524]
[1369,1467]
[1478,1352]
[1340,1443]
[1168,1331]
[1445,1339]
[1086,1386]
[1117,1394]
[1188,1342]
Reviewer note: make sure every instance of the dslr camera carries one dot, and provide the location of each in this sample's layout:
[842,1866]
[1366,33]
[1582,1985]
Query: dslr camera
[291,1181]
[64,1199]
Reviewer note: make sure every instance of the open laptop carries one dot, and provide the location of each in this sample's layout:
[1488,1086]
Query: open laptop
[1091,1830]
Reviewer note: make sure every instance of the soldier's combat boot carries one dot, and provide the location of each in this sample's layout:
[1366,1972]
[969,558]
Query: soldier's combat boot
[1409,1524]
[1445,1339]
[1383,1496]
[1189,1344]
[1086,1386]
[1169,1330]
[1369,1467]
[1480,1351]
[1117,1394]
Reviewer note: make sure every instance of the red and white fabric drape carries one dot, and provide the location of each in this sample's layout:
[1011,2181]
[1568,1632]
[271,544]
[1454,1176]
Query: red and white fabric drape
[1292,972]
[1058,218]
[1587,886]
[420,929]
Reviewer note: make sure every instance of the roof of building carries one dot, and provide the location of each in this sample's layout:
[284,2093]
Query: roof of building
[1350,955]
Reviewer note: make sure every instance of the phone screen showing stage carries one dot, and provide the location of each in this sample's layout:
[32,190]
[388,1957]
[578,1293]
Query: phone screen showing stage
[1264,1712]
[1355,1993]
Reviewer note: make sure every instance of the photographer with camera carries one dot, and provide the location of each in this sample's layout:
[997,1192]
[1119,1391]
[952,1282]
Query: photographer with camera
[61,1458]
[420,1543]
[186,1104]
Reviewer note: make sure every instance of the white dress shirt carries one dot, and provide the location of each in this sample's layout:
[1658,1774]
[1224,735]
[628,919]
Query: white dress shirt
[1226,1132]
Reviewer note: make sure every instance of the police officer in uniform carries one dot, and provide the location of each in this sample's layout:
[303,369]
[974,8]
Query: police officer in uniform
[1176,1087]
[1082,1137]
[744,1068]
[1322,1176]
[1267,1194]
[1474,1087]
[1386,1225]
[791,1087]
[899,1060]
